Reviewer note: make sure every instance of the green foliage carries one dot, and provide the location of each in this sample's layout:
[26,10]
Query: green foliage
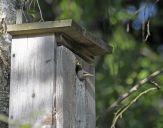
[70,9]
[25,126]
[32,13]
[127,65]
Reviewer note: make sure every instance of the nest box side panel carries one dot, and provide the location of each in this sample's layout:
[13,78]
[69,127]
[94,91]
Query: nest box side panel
[90,96]
[32,87]
[75,99]
[65,88]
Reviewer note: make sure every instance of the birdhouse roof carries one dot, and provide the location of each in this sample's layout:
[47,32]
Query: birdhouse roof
[69,29]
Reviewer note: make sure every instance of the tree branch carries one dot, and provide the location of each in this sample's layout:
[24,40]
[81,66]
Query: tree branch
[120,111]
[148,31]
[42,19]
[131,91]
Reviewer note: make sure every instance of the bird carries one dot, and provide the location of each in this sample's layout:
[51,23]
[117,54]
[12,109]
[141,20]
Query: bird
[81,73]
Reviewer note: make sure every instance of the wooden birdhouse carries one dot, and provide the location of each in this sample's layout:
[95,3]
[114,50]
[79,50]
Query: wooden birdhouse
[45,88]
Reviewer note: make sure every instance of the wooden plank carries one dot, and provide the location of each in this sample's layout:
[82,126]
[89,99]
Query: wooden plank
[94,44]
[73,97]
[69,28]
[80,113]
[32,86]
[76,48]
[90,96]
[65,88]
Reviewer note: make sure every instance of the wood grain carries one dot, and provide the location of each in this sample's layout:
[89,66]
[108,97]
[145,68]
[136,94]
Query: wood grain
[75,48]
[90,97]
[80,114]
[75,102]
[80,93]
[65,88]
[32,81]
[45,90]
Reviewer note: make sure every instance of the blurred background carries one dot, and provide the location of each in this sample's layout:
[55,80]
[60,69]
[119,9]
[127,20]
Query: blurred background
[125,25]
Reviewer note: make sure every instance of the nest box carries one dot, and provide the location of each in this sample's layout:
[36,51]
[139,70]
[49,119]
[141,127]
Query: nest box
[45,91]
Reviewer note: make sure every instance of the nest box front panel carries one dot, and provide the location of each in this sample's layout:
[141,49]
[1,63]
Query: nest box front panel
[32,80]
[45,89]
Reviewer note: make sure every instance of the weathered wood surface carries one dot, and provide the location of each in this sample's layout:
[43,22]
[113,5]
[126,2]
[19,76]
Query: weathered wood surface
[73,108]
[80,100]
[90,96]
[32,96]
[76,48]
[69,28]
[65,88]
[80,113]
[86,97]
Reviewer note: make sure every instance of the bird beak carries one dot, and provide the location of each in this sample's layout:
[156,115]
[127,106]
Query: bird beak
[88,75]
